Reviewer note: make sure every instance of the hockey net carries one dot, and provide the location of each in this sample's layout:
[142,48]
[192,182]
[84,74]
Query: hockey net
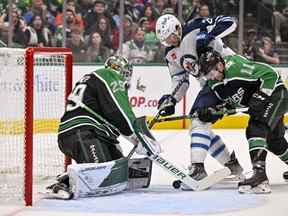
[34,83]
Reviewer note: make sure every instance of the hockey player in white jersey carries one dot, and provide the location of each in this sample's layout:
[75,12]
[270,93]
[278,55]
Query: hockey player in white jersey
[183,46]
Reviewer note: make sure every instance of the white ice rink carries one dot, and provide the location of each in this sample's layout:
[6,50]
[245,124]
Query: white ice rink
[162,200]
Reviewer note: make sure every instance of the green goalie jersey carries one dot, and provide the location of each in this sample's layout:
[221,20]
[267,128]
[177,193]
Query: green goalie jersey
[243,78]
[99,101]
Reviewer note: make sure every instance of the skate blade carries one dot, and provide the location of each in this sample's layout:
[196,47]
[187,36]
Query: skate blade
[61,194]
[233,179]
[263,188]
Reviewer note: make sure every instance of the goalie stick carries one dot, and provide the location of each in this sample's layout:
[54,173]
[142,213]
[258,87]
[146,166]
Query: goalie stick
[147,138]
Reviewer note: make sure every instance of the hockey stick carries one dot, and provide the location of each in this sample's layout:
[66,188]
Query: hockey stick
[224,111]
[147,139]
[154,120]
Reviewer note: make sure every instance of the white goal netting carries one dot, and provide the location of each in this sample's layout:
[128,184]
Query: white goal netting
[49,101]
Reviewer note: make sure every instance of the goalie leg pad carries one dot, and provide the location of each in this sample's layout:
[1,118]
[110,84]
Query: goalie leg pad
[140,170]
[93,179]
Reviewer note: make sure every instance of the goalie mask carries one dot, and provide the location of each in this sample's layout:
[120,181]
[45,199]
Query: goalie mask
[167,25]
[121,65]
[209,61]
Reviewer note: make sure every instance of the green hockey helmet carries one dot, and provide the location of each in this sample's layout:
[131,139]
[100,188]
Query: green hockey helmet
[121,65]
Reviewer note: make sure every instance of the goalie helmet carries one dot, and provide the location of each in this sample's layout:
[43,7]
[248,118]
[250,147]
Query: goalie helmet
[208,62]
[121,65]
[165,26]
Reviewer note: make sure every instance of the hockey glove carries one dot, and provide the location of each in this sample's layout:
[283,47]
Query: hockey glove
[203,39]
[257,103]
[209,114]
[166,105]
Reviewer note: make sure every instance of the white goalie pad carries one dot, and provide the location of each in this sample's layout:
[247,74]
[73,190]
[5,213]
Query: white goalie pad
[92,179]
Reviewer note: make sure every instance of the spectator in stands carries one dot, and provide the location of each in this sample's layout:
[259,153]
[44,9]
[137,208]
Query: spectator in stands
[149,13]
[104,29]
[19,27]
[174,5]
[96,51]
[266,53]
[84,6]
[191,11]
[249,47]
[40,8]
[77,45]
[159,7]
[281,25]
[71,6]
[71,22]
[36,34]
[204,10]
[150,38]
[93,17]
[136,50]
[129,28]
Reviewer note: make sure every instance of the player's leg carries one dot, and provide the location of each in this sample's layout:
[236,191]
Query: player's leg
[84,146]
[219,151]
[203,140]
[278,144]
[259,127]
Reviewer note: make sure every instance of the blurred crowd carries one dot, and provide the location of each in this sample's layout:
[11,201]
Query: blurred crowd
[93,26]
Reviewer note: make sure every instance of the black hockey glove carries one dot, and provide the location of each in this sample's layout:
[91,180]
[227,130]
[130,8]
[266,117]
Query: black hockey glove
[166,105]
[209,114]
[203,38]
[257,104]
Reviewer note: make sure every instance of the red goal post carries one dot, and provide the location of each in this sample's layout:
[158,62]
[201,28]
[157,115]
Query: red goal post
[31,119]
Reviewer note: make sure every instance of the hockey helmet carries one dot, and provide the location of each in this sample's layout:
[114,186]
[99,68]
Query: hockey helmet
[165,26]
[121,65]
[208,61]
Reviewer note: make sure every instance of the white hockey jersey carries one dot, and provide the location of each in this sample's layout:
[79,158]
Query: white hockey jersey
[219,27]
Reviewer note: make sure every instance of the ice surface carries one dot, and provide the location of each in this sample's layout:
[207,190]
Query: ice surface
[162,199]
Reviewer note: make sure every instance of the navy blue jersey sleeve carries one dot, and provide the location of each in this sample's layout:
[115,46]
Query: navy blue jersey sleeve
[219,26]
[224,25]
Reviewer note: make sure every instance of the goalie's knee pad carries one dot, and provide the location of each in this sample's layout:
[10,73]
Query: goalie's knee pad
[91,179]
[84,146]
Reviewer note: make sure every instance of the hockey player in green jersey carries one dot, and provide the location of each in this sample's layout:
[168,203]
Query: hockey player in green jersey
[243,83]
[97,112]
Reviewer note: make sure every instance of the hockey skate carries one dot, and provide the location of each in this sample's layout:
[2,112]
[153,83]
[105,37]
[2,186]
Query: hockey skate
[197,172]
[257,183]
[236,170]
[60,189]
[285,176]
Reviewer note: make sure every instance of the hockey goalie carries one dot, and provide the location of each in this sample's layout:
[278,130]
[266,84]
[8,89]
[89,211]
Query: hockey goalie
[97,112]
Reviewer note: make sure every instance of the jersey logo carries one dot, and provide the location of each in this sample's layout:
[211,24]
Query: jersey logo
[174,56]
[237,97]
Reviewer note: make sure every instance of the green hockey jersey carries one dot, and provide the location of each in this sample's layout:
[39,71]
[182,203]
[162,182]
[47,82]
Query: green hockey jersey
[242,78]
[99,101]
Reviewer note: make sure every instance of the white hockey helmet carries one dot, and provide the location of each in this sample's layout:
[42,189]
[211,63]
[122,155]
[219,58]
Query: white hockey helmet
[165,26]
[121,65]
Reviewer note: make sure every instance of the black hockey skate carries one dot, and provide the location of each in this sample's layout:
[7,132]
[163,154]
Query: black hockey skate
[285,176]
[235,168]
[197,172]
[60,189]
[258,183]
